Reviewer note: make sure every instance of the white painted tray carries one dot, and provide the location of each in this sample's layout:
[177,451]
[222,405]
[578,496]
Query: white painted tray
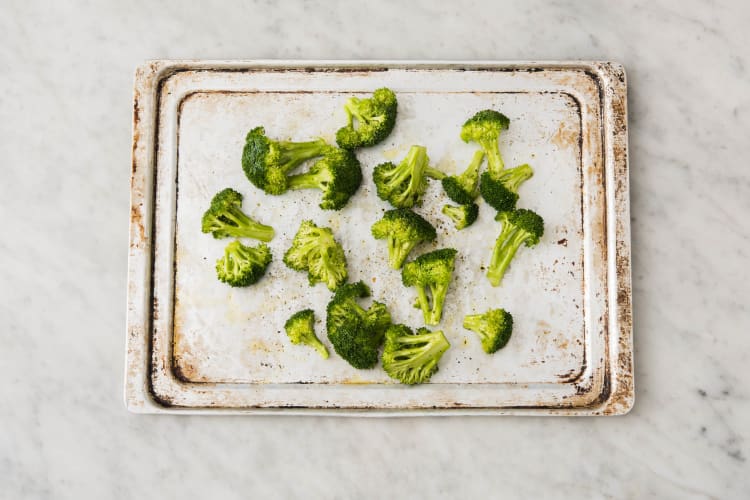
[197,345]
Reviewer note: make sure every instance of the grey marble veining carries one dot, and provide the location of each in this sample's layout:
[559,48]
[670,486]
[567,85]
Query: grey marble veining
[66,72]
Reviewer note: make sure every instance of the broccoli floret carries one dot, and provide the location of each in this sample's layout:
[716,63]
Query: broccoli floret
[462,215]
[412,358]
[500,189]
[225,219]
[484,128]
[464,188]
[404,230]
[402,185]
[316,251]
[241,265]
[267,161]
[493,327]
[375,116]
[355,332]
[338,174]
[300,330]
[519,227]
[431,271]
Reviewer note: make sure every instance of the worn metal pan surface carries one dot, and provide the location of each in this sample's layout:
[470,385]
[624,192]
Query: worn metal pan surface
[197,345]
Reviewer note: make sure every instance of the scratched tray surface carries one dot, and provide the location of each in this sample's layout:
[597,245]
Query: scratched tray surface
[213,346]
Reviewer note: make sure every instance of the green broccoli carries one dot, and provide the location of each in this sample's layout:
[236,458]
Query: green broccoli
[412,358]
[225,218]
[316,251]
[375,116]
[404,230]
[404,184]
[519,227]
[355,332]
[300,330]
[462,215]
[484,128]
[267,162]
[241,265]
[338,174]
[493,327]
[500,189]
[431,271]
[464,188]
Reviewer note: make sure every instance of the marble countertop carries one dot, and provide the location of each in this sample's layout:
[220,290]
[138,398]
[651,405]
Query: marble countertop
[65,122]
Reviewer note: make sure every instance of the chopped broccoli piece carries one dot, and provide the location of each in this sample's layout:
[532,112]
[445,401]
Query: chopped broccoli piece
[316,251]
[225,219]
[267,162]
[500,190]
[241,265]
[301,330]
[404,184]
[464,188]
[355,332]
[404,230]
[484,128]
[493,327]
[412,358]
[462,215]
[338,174]
[431,271]
[375,116]
[519,227]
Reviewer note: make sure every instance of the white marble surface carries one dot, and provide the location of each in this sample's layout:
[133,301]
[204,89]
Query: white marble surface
[66,71]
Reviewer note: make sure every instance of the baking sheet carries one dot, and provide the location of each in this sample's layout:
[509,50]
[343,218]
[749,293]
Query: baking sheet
[198,344]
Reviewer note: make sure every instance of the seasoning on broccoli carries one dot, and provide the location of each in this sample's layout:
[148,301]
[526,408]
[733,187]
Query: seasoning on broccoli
[500,189]
[355,332]
[301,330]
[338,174]
[404,184]
[316,251]
[412,358]
[241,265]
[519,227]
[375,118]
[464,188]
[225,219]
[267,162]
[493,328]
[431,271]
[404,230]
[462,215]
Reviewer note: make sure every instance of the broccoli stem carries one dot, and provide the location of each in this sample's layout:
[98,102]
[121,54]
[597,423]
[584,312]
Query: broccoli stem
[398,251]
[514,177]
[503,255]
[424,303]
[433,173]
[469,179]
[247,227]
[495,162]
[474,322]
[438,298]
[316,344]
[293,154]
[352,106]
[308,180]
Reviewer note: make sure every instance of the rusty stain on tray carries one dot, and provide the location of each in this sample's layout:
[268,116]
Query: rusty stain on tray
[614,401]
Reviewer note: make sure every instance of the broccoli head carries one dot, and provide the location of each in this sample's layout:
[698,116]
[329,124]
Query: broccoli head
[519,227]
[500,190]
[375,117]
[404,184]
[404,230]
[266,162]
[301,330]
[316,251]
[355,332]
[430,271]
[412,358]
[493,327]
[225,218]
[463,189]
[241,265]
[462,215]
[484,129]
[338,174]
